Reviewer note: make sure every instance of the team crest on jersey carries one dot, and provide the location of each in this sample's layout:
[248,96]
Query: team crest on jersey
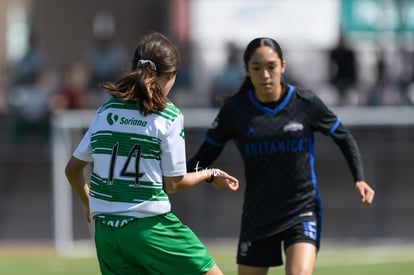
[293,127]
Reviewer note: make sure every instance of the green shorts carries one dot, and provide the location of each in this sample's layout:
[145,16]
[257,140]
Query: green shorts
[154,245]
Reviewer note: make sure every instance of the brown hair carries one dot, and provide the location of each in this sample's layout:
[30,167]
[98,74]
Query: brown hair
[154,55]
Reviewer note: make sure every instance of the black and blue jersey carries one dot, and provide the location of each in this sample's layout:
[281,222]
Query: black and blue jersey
[276,142]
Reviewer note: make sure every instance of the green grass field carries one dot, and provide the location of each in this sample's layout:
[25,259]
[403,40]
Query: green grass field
[332,260]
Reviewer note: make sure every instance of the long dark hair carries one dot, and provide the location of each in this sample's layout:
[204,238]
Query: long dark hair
[154,55]
[248,52]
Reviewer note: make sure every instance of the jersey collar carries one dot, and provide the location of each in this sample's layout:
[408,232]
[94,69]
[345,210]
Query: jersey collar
[267,110]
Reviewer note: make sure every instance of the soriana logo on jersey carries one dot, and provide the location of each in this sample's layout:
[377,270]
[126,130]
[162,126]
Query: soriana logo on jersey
[114,118]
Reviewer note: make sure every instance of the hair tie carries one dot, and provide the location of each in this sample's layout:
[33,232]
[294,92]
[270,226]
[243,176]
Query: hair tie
[145,62]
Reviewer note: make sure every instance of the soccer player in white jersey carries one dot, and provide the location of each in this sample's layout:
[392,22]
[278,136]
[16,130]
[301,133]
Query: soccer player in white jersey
[136,144]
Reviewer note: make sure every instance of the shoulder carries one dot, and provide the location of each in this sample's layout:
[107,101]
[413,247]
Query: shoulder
[233,105]
[235,100]
[309,100]
[313,104]
[114,105]
[107,105]
[308,96]
[304,94]
[170,112]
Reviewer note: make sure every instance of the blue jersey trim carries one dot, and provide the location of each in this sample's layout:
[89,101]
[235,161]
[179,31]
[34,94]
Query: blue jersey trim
[333,128]
[211,141]
[313,176]
[312,161]
[268,110]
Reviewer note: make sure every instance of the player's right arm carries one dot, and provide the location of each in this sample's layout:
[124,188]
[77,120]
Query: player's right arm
[221,130]
[205,156]
[75,174]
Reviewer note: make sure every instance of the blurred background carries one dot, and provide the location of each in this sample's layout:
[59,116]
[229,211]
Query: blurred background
[357,55]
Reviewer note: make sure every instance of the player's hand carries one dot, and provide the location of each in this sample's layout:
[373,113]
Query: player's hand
[366,193]
[223,181]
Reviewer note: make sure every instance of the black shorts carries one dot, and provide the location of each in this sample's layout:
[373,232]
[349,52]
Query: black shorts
[268,251]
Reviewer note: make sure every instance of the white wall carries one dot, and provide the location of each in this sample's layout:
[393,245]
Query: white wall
[300,26]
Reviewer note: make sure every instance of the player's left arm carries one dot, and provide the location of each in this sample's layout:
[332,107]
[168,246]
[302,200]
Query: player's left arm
[218,178]
[366,193]
[350,150]
[328,123]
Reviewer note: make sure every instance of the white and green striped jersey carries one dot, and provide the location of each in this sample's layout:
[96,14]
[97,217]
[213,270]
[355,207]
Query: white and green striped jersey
[130,154]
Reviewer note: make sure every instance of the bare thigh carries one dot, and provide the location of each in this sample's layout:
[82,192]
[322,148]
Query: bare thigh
[300,259]
[252,270]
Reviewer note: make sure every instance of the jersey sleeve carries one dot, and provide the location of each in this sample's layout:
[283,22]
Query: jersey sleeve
[205,156]
[323,119]
[217,135]
[328,123]
[173,158]
[221,129]
[84,150]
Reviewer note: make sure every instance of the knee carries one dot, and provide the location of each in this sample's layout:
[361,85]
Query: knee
[299,270]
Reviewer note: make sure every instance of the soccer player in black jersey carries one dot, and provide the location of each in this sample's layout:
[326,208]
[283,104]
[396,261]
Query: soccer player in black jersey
[273,124]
